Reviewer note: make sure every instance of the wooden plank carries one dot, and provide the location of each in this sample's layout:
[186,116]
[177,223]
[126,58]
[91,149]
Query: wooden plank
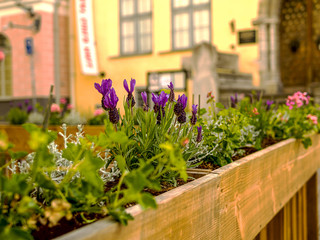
[304,210]
[20,137]
[312,208]
[275,228]
[186,212]
[266,180]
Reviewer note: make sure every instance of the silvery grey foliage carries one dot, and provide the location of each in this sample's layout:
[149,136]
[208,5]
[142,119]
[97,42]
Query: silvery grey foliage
[62,164]
[74,118]
[35,118]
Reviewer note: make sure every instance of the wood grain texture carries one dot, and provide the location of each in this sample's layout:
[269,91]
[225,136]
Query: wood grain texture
[234,202]
[254,189]
[186,212]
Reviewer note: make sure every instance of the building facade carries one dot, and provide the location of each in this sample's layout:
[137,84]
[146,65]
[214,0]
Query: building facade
[150,41]
[34,37]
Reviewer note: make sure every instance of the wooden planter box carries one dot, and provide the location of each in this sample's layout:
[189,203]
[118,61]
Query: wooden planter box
[20,137]
[236,201]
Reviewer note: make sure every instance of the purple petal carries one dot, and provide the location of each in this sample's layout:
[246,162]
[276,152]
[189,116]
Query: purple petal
[98,87]
[194,109]
[183,100]
[155,99]
[125,85]
[199,129]
[132,85]
[170,86]
[144,97]
[163,99]
[106,85]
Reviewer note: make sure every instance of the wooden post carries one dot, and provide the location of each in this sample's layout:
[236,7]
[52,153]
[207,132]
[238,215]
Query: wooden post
[312,207]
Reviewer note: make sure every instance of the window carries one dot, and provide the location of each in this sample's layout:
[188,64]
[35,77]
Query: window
[191,23]
[135,27]
[5,68]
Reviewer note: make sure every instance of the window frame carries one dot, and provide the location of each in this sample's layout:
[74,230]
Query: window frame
[189,9]
[135,18]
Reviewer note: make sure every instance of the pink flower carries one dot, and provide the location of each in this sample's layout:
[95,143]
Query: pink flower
[55,108]
[313,118]
[69,107]
[2,55]
[63,101]
[298,99]
[98,112]
[255,111]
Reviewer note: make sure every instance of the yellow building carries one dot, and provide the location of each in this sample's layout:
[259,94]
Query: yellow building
[148,39]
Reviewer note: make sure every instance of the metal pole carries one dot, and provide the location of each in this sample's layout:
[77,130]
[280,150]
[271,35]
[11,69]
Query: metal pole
[33,83]
[56,49]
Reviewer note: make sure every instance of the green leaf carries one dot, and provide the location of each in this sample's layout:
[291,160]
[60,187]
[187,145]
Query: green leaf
[17,155]
[147,200]
[45,182]
[89,168]
[121,162]
[72,151]
[16,184]
[220,105]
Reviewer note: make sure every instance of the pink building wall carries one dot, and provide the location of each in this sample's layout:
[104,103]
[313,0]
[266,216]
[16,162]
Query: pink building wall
[43,55]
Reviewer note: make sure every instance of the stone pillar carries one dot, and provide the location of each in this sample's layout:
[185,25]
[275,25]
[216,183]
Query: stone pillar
[204,75]
[274,84]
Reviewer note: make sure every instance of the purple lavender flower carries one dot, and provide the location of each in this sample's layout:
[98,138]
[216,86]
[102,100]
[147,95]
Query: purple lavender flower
[269,103]
[20,105]
[104,89]
[111,99]
[26,102]
[29,109]
[155,100]
[159,104]
[130,98]
[163,99]
[179,109]
[180,105]
[105,86]
[234,100]
[110,102]
[145,104]
[171,96]
[193,119]
[199,137]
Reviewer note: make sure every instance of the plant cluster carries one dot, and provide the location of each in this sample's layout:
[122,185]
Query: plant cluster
[138,152]
[19,114]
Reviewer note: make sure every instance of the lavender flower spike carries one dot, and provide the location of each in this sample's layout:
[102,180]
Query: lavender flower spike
[193,119]
[269,103]
[171,96]
[110,103]
[145,104]
[199,137]
[163,99]
[180,105]
[130,98]
[105,86]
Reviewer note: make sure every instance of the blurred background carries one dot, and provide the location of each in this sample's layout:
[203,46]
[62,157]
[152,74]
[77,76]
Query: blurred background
[225,47]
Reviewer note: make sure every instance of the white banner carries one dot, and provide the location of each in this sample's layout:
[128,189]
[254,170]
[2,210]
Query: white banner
[86,41]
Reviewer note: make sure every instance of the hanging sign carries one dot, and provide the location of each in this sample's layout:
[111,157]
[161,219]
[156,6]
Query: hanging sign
[29,45]
[86,40]
[248,36]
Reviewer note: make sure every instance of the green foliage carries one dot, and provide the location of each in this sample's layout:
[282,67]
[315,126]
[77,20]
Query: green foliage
[17,116]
